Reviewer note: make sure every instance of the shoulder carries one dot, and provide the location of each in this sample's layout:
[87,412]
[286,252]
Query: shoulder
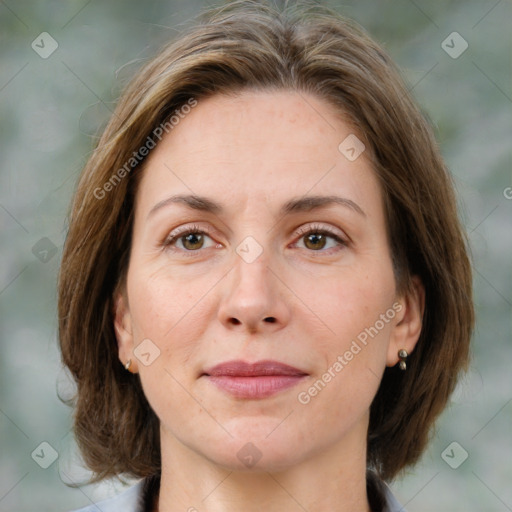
[130,500]
[391,503]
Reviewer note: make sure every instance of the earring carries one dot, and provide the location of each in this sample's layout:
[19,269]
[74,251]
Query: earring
[128,364]
[402,354]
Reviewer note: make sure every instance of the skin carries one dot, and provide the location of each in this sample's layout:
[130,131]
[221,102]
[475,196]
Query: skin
[204,304]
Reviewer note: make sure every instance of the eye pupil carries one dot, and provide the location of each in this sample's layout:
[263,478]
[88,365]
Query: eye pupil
[318,241]
[193,241]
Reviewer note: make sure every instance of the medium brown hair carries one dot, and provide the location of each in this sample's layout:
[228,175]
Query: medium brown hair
[251,45]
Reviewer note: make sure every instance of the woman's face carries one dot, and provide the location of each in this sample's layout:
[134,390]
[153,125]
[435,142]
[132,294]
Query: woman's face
[259,239]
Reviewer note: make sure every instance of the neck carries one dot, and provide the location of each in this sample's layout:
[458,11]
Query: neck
[333,480]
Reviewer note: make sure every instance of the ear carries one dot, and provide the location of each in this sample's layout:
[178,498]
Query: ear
[408,321]
[124,331]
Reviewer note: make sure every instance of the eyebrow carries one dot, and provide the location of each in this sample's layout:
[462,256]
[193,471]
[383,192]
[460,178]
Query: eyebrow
[296,205]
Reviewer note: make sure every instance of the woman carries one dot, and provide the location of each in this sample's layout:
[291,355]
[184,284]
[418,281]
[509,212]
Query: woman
[265,293]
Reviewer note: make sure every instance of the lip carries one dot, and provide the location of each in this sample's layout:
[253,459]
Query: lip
[253,380]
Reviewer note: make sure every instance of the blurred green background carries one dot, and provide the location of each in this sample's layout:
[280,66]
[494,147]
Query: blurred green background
[52,109]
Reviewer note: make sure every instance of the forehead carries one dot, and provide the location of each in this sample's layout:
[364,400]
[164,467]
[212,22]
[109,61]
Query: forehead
[256,145]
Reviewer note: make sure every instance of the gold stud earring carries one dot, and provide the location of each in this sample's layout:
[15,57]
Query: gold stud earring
[402,354]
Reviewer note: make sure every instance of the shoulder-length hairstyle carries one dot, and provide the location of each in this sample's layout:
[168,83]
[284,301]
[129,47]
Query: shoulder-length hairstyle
[251,45]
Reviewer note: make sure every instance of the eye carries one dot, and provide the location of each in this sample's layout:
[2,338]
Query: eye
[190,239]
[320,239]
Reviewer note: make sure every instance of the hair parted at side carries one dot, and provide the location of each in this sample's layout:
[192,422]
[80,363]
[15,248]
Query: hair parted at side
[252,45]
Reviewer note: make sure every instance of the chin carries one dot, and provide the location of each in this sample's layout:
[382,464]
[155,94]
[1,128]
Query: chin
[257,449]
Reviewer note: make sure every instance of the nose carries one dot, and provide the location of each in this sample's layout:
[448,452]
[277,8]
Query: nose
[253,299]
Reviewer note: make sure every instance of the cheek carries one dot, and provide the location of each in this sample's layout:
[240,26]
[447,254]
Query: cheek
[349,302]
[170,313]
[163,302]
[354,355]
[173,314]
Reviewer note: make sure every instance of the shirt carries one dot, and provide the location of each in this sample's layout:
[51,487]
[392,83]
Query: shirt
[133,500]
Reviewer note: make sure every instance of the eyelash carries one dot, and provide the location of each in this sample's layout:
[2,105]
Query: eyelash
[168,242]
[319,230]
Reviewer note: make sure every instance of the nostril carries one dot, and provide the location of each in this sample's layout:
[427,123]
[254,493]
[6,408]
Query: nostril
[270,319]
[235,321]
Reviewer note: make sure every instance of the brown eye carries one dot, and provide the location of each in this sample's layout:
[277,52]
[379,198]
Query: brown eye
[315,241]
[193,241]
[320,239]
